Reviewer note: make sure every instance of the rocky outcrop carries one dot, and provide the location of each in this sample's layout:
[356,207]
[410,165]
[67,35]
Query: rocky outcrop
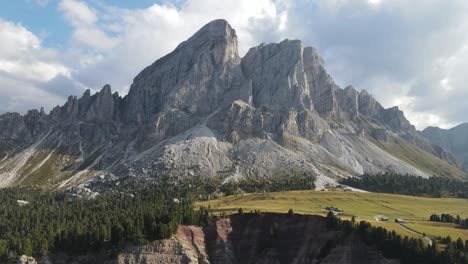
[454,140]
[380,134]
[249,238]
[26,260]
[187,246]
[202,110]
[348,99]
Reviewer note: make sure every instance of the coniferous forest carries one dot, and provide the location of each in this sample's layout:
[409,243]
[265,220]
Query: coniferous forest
[448,218]
[394,246]
[58,222]
[61,222]
[410,185]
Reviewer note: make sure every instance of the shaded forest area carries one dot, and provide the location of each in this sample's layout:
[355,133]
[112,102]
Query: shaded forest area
[393,246]
[410,185]
[59,222]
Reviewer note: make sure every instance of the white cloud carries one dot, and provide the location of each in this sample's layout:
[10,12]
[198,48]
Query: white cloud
[374,2]
[78,13]
[86,30]
[15,40]
[33,70]
[22,55]
[24,66]
[95,38]
[18,95]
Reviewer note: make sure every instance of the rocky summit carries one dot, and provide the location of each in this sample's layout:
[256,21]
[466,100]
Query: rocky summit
[202,110]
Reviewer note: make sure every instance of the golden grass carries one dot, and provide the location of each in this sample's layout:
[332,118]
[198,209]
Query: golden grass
[365,206]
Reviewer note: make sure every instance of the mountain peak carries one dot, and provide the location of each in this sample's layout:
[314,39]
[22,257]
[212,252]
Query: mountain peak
[218,27]
[215,30]
[220,39]
[106,89]
[192,78]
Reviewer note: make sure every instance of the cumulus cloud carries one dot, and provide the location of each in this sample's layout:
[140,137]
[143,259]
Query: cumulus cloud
[17,95]
[84,19]
[21,54]
[63,86]
[78,13]
[24,64]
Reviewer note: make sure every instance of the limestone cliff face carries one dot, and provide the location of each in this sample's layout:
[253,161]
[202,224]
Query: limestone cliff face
[280,100]
[196,78]
[322,88]
[276,72]
[203,110]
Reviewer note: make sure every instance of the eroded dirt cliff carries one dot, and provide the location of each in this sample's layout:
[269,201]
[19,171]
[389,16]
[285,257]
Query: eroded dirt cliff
[248,238]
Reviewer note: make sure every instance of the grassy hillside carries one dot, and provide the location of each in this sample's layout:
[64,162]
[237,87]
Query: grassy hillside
[419,158]
[365,206]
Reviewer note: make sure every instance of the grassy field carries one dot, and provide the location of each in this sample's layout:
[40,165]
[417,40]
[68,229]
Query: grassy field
[364,206]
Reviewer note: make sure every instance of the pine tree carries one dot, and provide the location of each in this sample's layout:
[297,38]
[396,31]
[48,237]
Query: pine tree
[26,247]
[459,244]
[240,211]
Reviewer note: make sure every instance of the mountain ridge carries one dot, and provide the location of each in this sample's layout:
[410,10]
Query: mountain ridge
[203,110]
[454,140]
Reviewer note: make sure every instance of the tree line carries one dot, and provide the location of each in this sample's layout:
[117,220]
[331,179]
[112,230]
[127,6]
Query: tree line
[278,183]
[448,218]
[393,246]
[57,222]
[410,185]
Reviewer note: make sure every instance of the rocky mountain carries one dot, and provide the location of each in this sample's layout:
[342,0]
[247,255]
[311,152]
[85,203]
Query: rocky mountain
[202,110]
[454,140]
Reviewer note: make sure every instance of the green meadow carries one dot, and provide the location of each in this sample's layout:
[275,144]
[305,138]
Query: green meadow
[364,206]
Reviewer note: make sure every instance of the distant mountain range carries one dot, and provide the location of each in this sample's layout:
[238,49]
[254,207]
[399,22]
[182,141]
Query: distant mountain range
[454,140]
[204,111]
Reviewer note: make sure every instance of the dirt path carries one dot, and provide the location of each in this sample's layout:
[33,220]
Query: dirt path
[429,239]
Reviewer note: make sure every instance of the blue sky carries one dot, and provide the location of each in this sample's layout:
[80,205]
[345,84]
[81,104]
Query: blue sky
[413,54]
[44,18]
